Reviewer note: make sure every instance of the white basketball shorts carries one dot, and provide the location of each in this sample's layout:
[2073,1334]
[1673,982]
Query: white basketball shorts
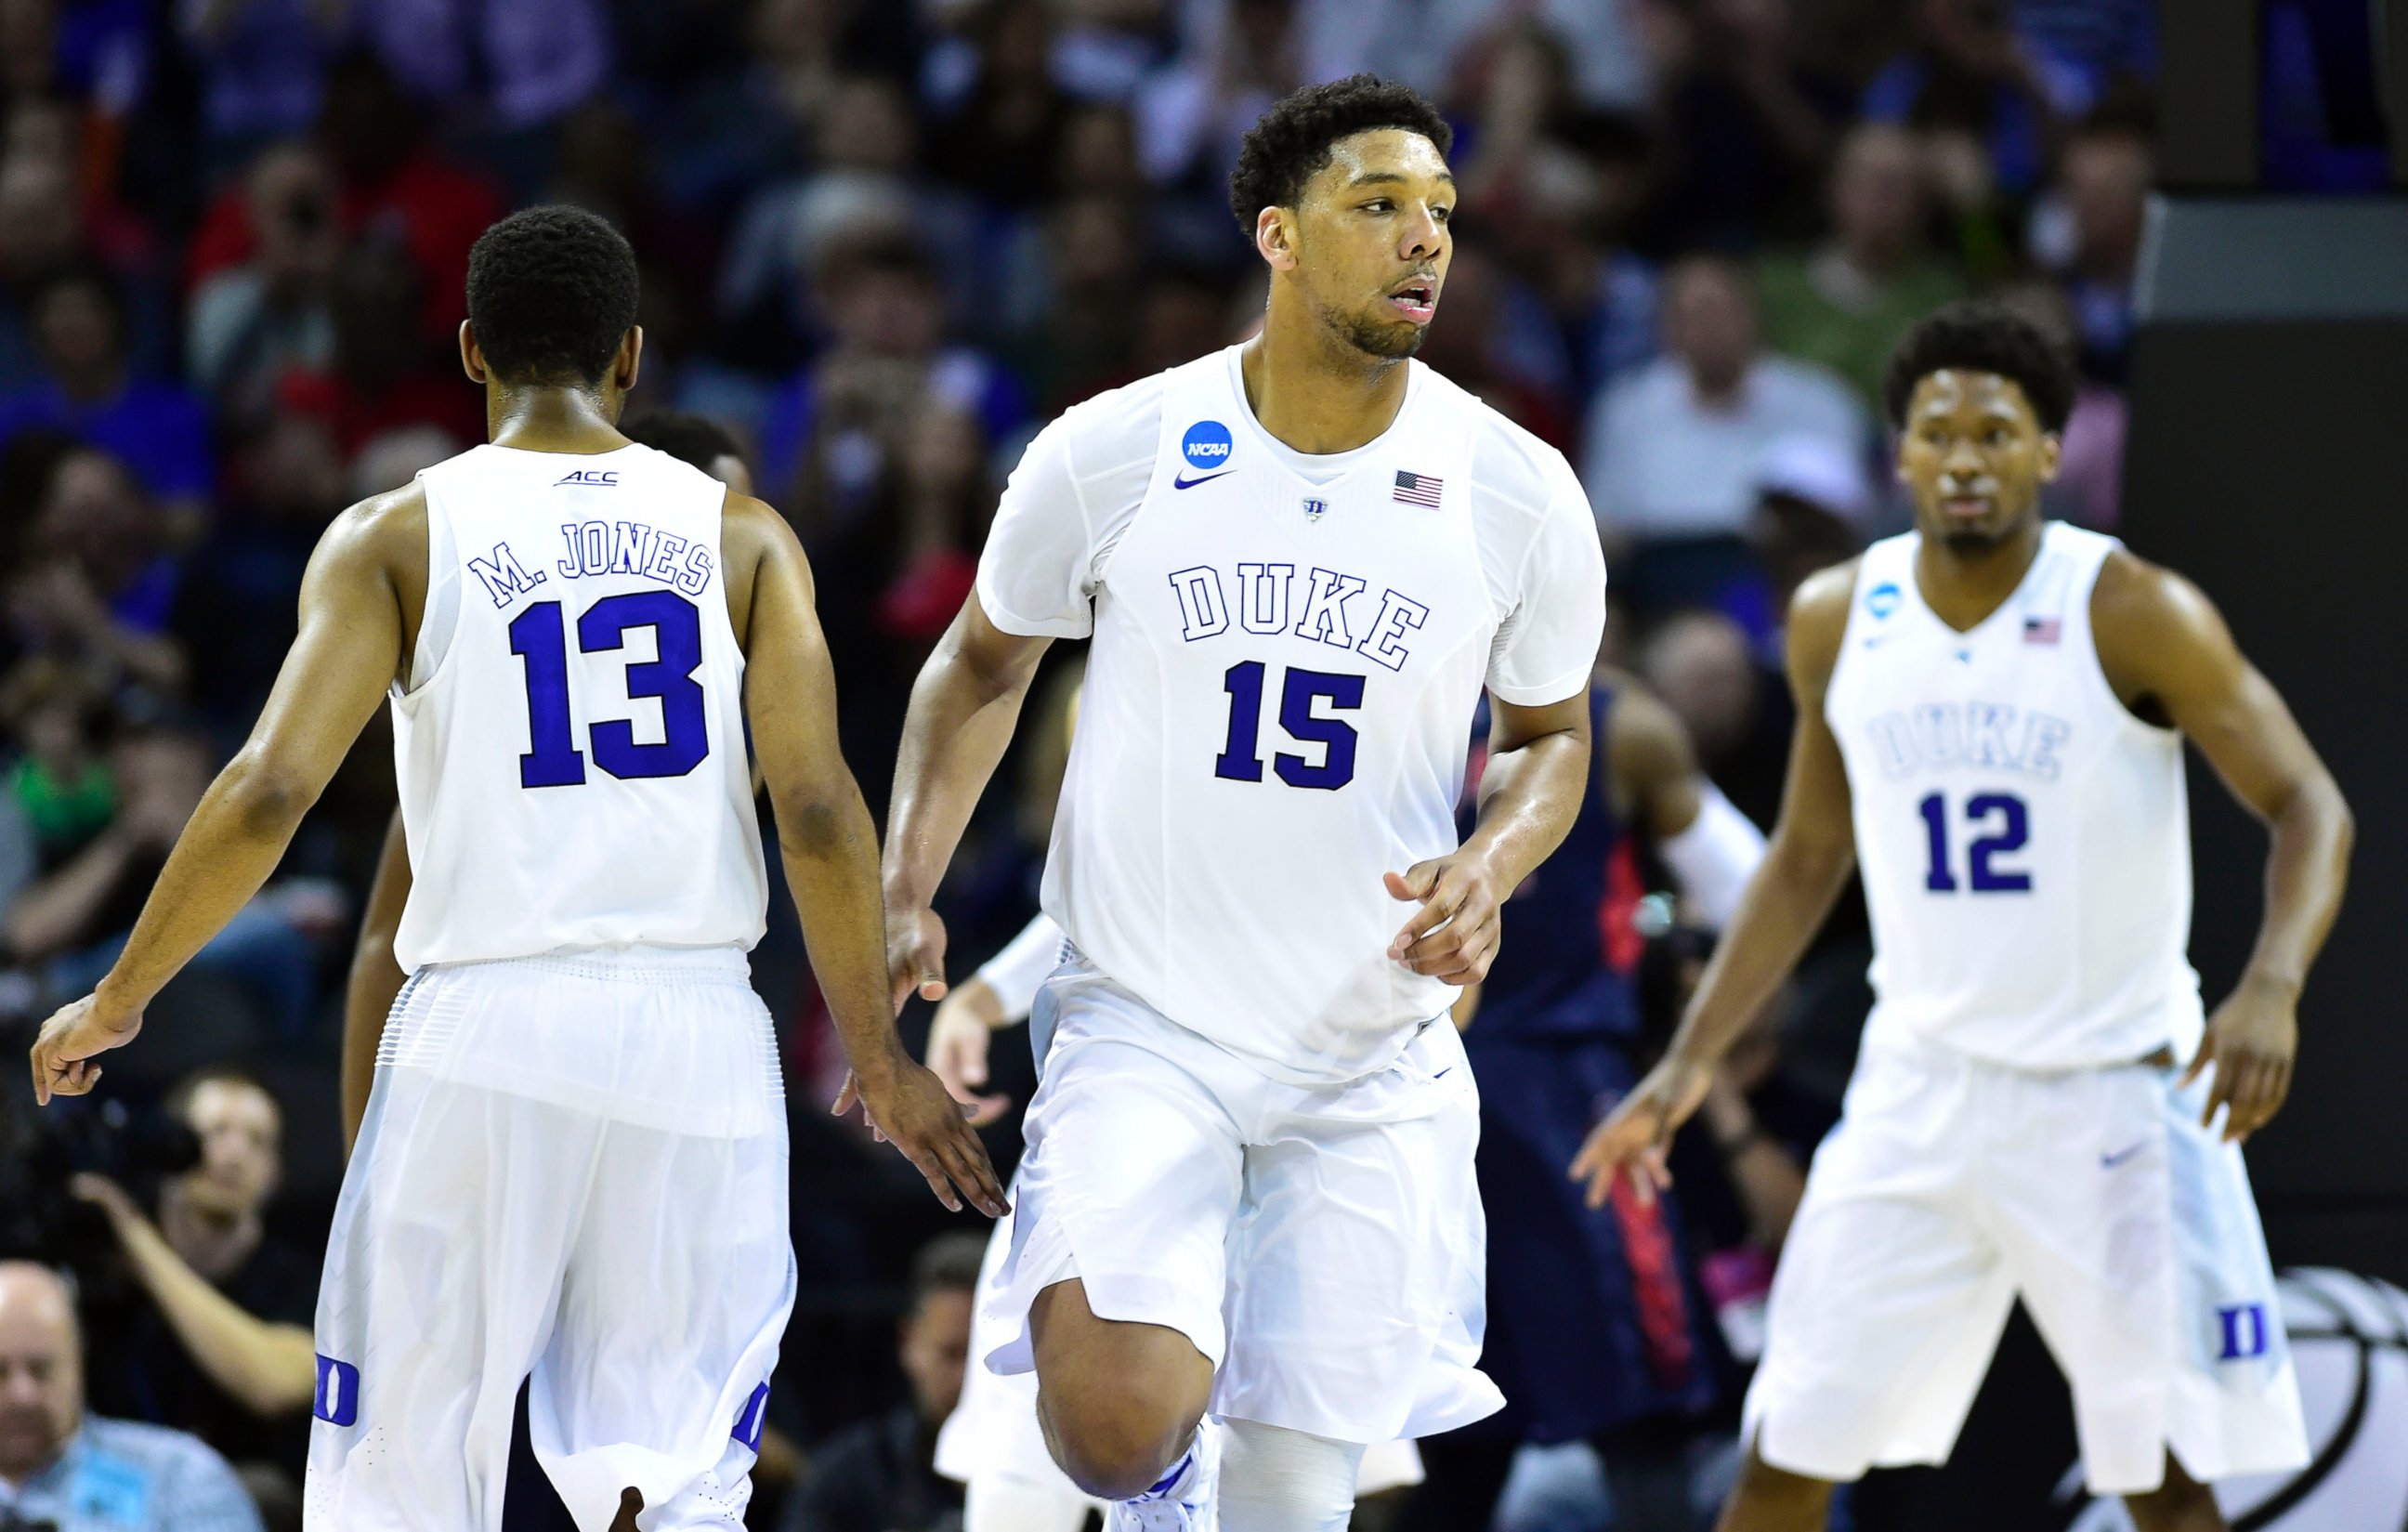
[1950,1189]
[573,1172]
[1323,1245]
[993,1434]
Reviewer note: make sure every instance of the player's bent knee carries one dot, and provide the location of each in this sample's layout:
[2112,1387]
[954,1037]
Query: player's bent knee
[1113,1441]
[1118,1401]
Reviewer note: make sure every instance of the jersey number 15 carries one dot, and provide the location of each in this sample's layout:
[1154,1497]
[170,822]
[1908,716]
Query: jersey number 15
[539,636]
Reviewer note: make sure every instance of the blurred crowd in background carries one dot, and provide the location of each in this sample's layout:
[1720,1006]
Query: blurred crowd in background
[881,241]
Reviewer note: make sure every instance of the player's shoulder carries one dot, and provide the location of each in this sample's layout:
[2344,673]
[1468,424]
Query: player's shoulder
[1818,620]
[384,530]
[1118,425]
[1512,468]
[2138,607]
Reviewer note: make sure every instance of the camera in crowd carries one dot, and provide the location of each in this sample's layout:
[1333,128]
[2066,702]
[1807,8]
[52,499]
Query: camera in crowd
[137,1146]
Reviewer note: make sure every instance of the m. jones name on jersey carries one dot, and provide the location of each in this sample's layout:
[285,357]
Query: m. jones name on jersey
[601,548]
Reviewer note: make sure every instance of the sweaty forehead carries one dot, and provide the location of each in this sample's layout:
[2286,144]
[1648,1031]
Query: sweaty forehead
[1954,391]
[1397,155]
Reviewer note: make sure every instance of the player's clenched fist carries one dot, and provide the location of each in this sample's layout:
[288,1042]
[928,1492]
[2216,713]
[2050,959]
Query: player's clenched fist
[1453,936]
[70,1039]
[1636,1137]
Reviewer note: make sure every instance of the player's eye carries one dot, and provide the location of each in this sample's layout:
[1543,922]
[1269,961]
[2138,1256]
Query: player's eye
[1442,214]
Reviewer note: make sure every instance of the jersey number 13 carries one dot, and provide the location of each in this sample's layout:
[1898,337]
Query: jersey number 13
[539,636]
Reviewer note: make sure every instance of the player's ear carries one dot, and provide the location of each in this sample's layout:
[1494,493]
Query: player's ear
[2052,450]
[472,360]
[629,363]
[1275,237]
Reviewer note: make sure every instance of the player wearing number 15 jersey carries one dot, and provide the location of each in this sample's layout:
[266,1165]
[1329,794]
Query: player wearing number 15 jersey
[572,1169]
[1249,1185]
[1991,715]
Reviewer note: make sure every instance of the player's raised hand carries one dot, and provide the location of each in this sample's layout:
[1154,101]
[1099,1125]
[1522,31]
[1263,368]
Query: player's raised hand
[2251,1039]
[915,953]
[1636,1137]
[957,1047]
[911,1110]
[1453,934]
[76,1034]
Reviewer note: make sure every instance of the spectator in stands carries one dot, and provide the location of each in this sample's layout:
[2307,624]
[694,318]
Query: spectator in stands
[878,1476]
[1814,509]
[91,581]
[1672,448]
[66,1468]
[253,322]
[75,918]
[1969,73]
[263,70]
[1846,302]
[40,233]
[158,429]
[1746,124]
[60,792]
[222,1348]
[2088,488]
[2102,186]
[385,374]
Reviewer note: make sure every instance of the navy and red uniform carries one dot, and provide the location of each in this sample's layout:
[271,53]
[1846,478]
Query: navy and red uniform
[1591,1323]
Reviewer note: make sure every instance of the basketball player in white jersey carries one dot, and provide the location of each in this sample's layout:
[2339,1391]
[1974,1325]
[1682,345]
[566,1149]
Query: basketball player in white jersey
[573,1163]
[1991,715]
[1248,1192]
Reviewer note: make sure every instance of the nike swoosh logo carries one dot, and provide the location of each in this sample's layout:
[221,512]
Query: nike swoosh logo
[1183,483]
[2109,1162]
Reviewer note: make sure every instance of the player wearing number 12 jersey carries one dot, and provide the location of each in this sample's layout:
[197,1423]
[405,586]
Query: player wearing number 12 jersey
[1991,716]
[1249,1184]
[572,1168]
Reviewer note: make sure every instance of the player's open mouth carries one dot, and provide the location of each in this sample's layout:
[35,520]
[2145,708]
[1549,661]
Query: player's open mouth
[1416,300]
[1967,508]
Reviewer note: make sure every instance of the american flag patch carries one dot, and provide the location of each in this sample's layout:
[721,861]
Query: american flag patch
[2043,630]
[1418,489]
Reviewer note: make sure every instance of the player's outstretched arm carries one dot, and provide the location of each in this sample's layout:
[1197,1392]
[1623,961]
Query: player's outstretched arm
[963,710]
[830,851]
[1805,866]
[335,676]
[376,978]
[2168,654]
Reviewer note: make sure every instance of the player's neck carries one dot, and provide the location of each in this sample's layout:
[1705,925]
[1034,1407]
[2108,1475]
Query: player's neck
[551,420]
[1964,584]
[1312,391]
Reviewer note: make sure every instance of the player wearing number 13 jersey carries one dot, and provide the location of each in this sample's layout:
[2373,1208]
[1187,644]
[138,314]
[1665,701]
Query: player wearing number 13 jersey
[1249,1187]
[572,1169]
[1991,716]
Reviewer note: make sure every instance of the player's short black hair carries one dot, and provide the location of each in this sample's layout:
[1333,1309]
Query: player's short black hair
[691,438]
[948,1263]
[1983,335]
[1293,140]
[552,291]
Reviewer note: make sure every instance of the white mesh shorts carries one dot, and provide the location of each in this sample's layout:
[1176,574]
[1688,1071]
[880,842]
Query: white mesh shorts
[1953,1187]
[573,1172]
[1323,1245]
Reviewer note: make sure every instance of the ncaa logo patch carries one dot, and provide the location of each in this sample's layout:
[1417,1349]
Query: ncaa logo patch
[1882,599]
[1206,446]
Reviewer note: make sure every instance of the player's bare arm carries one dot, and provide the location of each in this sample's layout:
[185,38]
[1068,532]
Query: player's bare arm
[2169,657]
[830,851]
[963,710]
[348,648]
[376,978]
[1529,794]
[1805,866]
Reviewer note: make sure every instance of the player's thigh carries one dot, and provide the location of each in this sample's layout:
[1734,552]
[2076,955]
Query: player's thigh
[675,1296]
[2137,1247]
[1129,1185]
[455,1221]
[1359,1255]
[1890,1294]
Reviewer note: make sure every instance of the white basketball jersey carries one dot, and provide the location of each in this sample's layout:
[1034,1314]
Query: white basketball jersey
[2024,839]
[571,753]
[1287,654]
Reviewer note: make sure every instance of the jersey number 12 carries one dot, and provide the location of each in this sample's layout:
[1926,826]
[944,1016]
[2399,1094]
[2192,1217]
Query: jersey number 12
[2009,823]
[539,636]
